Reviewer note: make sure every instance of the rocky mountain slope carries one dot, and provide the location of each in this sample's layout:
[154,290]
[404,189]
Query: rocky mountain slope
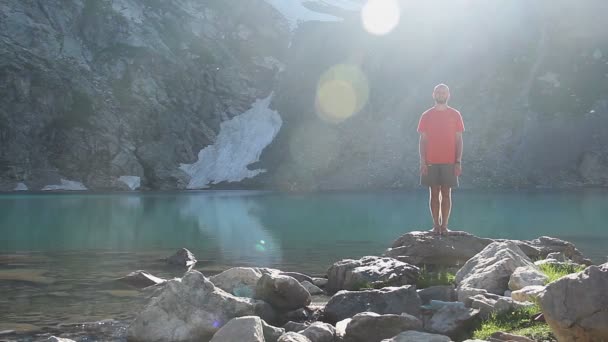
[126,94]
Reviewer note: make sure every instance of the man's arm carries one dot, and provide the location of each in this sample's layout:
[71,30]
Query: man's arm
[458,168]
[422,151]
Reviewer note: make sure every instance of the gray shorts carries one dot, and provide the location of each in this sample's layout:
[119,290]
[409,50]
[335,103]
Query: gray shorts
[440,174]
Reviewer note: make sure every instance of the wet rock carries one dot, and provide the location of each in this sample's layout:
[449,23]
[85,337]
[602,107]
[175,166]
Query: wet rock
[491,268]
[526,276]
[140,279]
[575,306]
[370,272]
[282,292]
[191,308]
[389,300]
[372,327]
[245,329]
[182,257]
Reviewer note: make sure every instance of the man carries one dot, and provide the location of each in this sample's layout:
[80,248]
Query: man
[440,148]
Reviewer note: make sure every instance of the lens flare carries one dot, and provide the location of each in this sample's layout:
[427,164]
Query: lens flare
[342,91]
[380,17]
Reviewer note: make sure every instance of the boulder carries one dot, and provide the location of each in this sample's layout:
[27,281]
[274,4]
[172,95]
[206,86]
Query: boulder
[576,306]
[295,326]
[389,300]
[293,337]
[506,337]
[559,256]
[58,339]
[140,279]
[528,293]
[527,276]
[187,309]
[370,272]
[417,336]
[372,327]
[298,276]
[242,329]
[547,245]
[239,281]
[271,333]
[320,332]
[320,282]
[446,293]
[182,257]
[423,247]
[311,288]
[341,328]
[454,321]
[488,305]
[491,268]
[282,292]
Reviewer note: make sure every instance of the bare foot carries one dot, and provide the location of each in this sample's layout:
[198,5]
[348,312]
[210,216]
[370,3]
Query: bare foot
[444,230]
[436,230]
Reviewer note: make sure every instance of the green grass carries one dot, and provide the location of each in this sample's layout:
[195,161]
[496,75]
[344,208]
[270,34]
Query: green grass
[517,322]
[555,272]
[428,278]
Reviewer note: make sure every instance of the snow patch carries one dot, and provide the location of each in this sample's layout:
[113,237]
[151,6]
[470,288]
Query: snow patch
[21,187]
[295,12]
[133,182]
[66,185]
[239,143]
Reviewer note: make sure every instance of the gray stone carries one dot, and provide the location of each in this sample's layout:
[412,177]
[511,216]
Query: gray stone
[182,257]
[58,339]
[559,256]
[455,322]
[320,282]
[389,300]
[488,305]
[245,329]
[370,272]
[297,276]
[528,293]
[271,333]
[506,337]
[293,337]
[341,328]
[446,293]
[418,336]
[140,279]
[282,292]
[239,281]
[311,288]
[320,332]
[372,327]
[575,306]
[547,245]
[527,276]
[491,268]
[191,308]
[295,326]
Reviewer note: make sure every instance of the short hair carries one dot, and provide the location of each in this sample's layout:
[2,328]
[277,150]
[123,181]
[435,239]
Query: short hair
[441,85]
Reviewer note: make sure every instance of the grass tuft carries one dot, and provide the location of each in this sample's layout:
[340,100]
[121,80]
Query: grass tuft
[554,271]
[517,322]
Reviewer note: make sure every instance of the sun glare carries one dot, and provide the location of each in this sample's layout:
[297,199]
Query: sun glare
[380,17]
[342,91]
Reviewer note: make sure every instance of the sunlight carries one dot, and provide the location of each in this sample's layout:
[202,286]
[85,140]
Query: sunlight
[380,17]
[342,91]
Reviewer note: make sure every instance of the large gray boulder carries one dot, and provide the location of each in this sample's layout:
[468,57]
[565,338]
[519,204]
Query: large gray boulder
[240,281]
[187,309]
[242,329]
[389,300]
[548,245]
[418,336]
[370,271]
[422,247]
[454,321]
[576,306]
[491,268]
[293,337]
[282,292]
[372,327]
[320,332]
[527,276]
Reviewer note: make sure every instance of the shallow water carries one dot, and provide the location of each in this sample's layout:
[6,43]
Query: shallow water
[60,252]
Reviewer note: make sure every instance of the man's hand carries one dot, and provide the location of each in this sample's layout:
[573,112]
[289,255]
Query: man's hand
[424,169]
[457,169]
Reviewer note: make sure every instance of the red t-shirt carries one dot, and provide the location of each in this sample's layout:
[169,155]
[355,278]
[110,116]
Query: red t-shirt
[441,127]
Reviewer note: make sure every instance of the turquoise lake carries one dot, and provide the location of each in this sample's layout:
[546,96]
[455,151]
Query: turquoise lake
[60,252]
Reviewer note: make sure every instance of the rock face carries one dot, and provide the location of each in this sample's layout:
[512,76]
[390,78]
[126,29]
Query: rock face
[372,327]
[576,306]
[370,271]
[527,276]
[389,300]
[491,268]
[188,309]
[246,329]
[282,292]
[140,279]
[182,257]
[425,248]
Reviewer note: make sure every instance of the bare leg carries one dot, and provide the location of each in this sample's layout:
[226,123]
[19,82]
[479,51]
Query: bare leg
[434,205]
[446,207]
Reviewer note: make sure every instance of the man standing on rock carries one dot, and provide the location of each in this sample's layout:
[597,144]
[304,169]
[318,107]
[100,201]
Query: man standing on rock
[440,148]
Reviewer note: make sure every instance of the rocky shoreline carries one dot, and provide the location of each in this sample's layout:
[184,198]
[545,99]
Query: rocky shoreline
[374,298]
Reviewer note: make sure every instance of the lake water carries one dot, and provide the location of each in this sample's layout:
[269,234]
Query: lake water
[60,252]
